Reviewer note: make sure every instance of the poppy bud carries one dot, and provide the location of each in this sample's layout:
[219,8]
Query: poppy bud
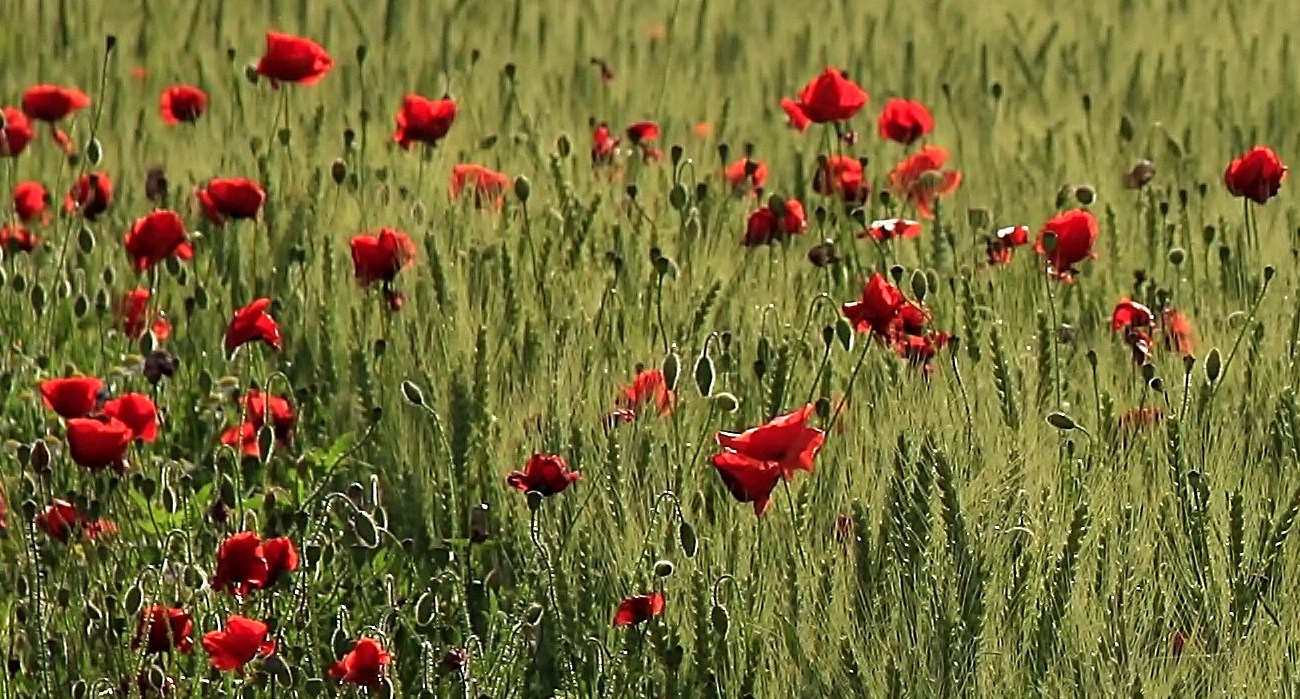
[94,152]
[39,458]
[726,402]
[1177,256]
[278,668]
[665,266]
[533,615]
[1148,371]
[920,285]
[413,394]
[1156,384]
[338,171]
[672,368]
[563,146]
[534,500]
[1213,365]
[704,374]
[1085,194]
[675,155]
[677,197]
[686,537]
[720,620]
[1189,361]
[1061,421]
[81,306]
[896,273]
[701,191]
[86,240]
[284,135]
[632,192]
[663,568]
[366,529]
[828,335]
[844,332]
[38,299]
[361,54]
[376,413]
[724,152]
[1269,271]
[250,73]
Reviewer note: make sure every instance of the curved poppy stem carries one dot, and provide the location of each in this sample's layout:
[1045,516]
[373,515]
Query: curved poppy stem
[1250,319]
[848,390]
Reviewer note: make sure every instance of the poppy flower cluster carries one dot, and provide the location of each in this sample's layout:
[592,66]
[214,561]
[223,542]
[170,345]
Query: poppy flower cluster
[751,463]
[99,431]
[253,323]
[745,176]
[246,563]
[261,409]
[842,176]
[774,222]
[920,179]
[642,134]
[61,521]
[487,185]
[90,195]
[1140,327]
[885,312]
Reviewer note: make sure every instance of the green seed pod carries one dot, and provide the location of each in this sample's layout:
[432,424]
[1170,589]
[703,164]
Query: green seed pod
[704,374]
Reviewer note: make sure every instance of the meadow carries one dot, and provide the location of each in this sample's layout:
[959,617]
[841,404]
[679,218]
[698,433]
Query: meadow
[710,348]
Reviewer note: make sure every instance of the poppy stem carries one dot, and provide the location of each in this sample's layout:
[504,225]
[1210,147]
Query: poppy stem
[794,518]
[848,390]
[1051,338]
[1250,320]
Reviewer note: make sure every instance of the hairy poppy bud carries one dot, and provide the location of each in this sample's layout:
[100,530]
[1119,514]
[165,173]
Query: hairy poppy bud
[523,189]
[1213,365]
[677,197]
[663,568]
[672,368]
[726,402]
[686,537]
[1157,384]
[1061,421]
[704,373]
[94,152]
[844,332]
[920,285]
[1085,194]
[338,171]
[413,394]
[533,615]
[1177,256]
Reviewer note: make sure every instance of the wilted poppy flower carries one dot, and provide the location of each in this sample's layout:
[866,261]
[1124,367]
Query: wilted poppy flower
[785,443]
[842,176]
[233,198]
[155,237]
[61,520]
[251,324]
[1067,240]
[363,666]
[138,412]
[1178,331]
[379,256]
[293,59]
[547,474]
[99,442]
[241,564]
[15,134]
[1143,172]
[648,388]
[764,226]
[30,200]
[745,175]
[422,120]
[52,103]
[182,103]
[878,307]
[91,195]
[76,396]
[1129,313]
[890,228]
[639,608]
[794,115]
[1004,242]
[489,186]
[904,121]
[18,239]
[1257,175]
[603,144]
[238,644]
[919,179]
[161,629]
[829,97]
[746,479]
[133,311]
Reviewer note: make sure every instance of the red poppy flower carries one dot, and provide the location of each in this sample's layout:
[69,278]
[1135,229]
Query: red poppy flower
[841,175]
[363,666]
[244,436]
[642,132]
[283,422]
[890,228]
[52,103]
[648,387]
[746,479]
[639,608]
[1004,241]
[293,59]
[1129,313]
[91,195]
[30,200]
[763,227]
[904,121]
[919,179]
[603,145]
[794,115]
[18,239]
[133,311]
[76,396]
[241,564]
[99,442]
[918,349]
[1178,332]
[138,412]
[423,120]
[785,443]
[238,644]
[489,186]
[281,558]
[182,103]
[61,519]
[161,629]
[1072,235]
[380,256]
[1257,175]
[232,198]
[745,175]
[155,237]
[1140,418]
[252,323]
[15,134]
[830,97]
[547,474]
[878,307]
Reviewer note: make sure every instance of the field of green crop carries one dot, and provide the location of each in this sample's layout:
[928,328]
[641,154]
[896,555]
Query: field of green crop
[480,439]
